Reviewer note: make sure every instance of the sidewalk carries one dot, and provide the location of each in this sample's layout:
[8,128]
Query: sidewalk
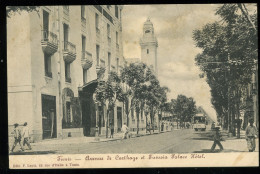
[76,140]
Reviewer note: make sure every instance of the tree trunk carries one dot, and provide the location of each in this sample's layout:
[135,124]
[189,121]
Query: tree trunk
[108,111]
[137,115]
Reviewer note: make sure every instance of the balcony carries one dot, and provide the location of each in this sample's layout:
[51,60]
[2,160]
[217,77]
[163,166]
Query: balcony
[69,52]
[101,68]
[49,42]
[83,22]
[86,60]
[66,11]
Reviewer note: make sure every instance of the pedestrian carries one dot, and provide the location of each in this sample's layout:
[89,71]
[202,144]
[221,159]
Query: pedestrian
[251,134]
[17,137]
[217,138]
[26,136]
[125,131]
[112,130]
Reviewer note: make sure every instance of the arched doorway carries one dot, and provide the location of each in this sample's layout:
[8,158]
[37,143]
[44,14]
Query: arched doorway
[92,115]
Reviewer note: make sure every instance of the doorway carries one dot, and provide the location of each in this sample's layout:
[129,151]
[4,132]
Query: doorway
[49,128]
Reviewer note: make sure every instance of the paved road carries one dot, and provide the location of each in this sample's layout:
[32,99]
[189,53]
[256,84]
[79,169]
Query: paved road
[177,141]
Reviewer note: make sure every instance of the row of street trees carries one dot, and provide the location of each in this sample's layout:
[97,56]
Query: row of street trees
[229,55]
[137,87]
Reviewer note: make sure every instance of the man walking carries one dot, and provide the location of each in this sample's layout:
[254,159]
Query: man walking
[217,138]
[251,134]
[125,131]
[26,136]
[17,137]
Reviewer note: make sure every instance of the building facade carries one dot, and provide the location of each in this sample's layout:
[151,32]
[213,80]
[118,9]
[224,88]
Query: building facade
[56,57]
[149,45]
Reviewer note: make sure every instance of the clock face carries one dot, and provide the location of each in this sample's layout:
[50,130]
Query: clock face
[147,31]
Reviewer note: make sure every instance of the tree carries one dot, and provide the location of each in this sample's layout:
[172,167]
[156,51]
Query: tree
[10,10]
[107,93]
[229,50]
[134,76]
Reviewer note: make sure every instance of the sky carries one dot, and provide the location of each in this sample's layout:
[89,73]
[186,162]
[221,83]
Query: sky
[173,27]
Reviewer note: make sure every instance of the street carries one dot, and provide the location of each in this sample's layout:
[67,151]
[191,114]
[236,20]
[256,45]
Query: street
[176,141]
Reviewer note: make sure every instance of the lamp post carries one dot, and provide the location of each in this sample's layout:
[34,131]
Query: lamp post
[97,114]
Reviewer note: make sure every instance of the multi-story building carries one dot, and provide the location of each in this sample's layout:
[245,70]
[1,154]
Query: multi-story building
[56,57]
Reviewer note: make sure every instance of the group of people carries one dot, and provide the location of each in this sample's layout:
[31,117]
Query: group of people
[250,135]
[21,136]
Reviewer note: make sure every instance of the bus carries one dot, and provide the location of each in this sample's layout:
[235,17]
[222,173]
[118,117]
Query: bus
[199,122]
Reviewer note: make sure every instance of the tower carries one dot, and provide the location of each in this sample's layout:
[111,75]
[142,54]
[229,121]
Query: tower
[149,46]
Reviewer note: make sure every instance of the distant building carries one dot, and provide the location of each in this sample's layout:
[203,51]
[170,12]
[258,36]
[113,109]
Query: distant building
[149,46]
[133,60]
[55,60]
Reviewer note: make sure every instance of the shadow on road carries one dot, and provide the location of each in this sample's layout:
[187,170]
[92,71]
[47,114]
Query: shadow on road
[33,152]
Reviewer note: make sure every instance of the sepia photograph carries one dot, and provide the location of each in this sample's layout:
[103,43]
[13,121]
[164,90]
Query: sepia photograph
[116,86]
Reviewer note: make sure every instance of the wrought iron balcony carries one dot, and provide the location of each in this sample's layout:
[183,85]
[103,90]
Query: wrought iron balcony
[98,34]
[83,22]
[49,42]
[86,60]
[69,52]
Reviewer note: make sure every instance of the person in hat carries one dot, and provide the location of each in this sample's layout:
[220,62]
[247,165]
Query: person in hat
[26,136]
[17,137]
[217,138]
[251,134]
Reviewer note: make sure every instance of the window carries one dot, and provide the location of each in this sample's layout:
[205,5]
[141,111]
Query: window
[108,30]
[47,65]
[83,38]
[83,12]
[109,61]
[85,71]
[117,64]
[97,21]
[97,54]
[147,31]
[67,72]
[116,37]
[116,11]
[66,35]
[147,51]
[45,21]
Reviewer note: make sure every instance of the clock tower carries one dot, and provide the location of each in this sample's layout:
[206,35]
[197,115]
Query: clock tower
[149,46]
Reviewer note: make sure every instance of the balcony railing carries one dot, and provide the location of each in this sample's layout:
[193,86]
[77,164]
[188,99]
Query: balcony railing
[69,47]
[66,11]
[49,42]
[50,37]
[69,52]
[86,60]
[83,22]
